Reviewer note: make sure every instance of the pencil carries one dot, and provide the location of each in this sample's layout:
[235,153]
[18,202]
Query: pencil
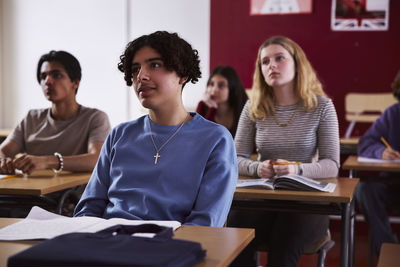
[284,163]
[385,142]
[10,176]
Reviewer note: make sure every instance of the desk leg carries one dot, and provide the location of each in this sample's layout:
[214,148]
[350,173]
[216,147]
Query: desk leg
[351,234]
[352,174]
[345,240]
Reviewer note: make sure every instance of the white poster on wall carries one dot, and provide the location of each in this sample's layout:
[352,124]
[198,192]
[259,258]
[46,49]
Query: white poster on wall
[273,7]
[360,15]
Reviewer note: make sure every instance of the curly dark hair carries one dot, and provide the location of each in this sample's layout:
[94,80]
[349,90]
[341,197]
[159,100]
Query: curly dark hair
[69,62]
[177,55]
[396,86]
[237,94]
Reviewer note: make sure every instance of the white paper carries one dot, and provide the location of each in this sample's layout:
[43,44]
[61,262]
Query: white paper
[370,160]
[41,224]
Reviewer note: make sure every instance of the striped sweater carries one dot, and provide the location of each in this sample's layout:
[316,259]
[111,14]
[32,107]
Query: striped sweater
[312,138]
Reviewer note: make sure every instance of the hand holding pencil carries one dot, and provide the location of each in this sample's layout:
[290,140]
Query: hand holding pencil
[6,166]
[283,167]
[389,153]
[265,169]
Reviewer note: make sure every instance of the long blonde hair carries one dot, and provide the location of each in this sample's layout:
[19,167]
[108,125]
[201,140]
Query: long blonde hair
[307,86]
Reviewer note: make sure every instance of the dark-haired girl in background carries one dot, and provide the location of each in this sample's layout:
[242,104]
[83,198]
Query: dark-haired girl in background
[224,98]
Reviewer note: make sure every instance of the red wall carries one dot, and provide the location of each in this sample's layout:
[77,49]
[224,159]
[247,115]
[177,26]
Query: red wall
[345,61]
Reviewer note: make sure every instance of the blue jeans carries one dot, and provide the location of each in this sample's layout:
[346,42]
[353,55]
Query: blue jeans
[373,198]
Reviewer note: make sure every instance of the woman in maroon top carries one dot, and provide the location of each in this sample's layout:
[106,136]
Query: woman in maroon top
[224,98]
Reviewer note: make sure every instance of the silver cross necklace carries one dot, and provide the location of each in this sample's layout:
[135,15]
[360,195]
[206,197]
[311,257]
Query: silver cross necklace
[157,155]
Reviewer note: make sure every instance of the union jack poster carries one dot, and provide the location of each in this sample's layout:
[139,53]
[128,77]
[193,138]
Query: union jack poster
[273,7]
[360,15]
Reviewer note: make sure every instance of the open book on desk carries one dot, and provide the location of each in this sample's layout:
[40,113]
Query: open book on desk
[41,224]
[287,182]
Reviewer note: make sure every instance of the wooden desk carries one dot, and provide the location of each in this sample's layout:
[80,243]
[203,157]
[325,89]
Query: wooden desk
[222,244]
[21,191]
[390,255]
[43,182]
[340,202]
[353,165]
[352,141]
[349,145]
[4,133]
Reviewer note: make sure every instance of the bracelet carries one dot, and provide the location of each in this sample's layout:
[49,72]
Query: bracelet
[60,162]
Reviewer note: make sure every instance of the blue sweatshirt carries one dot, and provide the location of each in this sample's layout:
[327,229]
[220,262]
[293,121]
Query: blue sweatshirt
[193,181]
[388,126]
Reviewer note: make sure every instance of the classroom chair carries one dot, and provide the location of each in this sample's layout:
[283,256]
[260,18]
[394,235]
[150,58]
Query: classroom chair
[68,200]
[18,206]
[320,247]
[365,107]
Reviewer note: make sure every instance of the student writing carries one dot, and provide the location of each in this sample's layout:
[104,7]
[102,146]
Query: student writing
[374,197]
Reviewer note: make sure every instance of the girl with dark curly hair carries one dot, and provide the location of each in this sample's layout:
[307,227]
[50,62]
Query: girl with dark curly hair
[169,164]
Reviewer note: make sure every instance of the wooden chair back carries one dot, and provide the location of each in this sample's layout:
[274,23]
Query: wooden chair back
[365,107]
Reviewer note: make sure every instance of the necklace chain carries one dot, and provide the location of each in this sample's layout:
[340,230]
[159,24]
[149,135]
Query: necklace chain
[288,122]
[157,155]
